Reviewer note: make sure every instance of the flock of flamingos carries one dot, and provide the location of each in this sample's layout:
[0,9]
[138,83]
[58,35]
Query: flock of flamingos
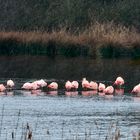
[71,86]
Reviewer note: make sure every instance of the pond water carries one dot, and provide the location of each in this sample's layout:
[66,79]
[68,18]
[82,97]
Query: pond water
[68,115]
[62,68]
[75,116]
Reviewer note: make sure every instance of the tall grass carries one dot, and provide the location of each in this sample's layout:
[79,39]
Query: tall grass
[98,40]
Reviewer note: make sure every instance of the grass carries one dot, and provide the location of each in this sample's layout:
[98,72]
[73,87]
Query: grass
[98,40]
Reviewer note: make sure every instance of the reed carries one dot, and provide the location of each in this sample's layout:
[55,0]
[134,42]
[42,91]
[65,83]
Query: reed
[105,40]
[1,122]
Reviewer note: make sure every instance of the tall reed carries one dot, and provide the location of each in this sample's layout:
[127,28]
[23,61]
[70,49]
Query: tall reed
[98,40]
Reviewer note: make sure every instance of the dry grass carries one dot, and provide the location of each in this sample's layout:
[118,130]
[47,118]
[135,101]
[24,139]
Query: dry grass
[103,40]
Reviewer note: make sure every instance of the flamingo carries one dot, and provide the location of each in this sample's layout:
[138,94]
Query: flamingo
[68,85]
[10,83]
[93,85]
[75,85]
[119,81]
[34,86]
[27,86]
[109,90]
[101,87]
[136,89]
[2,88]
[85,83]
[41,83]
[53,86]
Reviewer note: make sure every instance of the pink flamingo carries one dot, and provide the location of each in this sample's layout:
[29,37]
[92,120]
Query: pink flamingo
[136,89]
[53,86]
[109,90]
[68,85]
[101,87]
[93,85]
[10,84]
[27,86]
[85,83]
[34,86]
[2,88]
[75,85]
[119,81]
[41,83]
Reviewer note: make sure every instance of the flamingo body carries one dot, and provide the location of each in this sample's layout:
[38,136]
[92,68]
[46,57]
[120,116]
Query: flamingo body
[93,85]
[10,83]
[136,89]
[119,81]
[41,83]
[27,86]
[85,83]
[101,87]
[68,85]
[109,90]
[34,86]
[2,88]
[53,86]
[75,85]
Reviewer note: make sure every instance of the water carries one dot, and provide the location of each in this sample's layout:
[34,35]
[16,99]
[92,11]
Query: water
[62,115]
[52,116]
[76,68]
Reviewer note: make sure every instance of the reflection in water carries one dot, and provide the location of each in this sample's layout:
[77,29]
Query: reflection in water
[89,93]
[2,93]
[37,92]
[71,93]
[101,93]
[53,93]
[119,91]
[136,99]
[26,93]
[10,93]
[69,68]
[109,97]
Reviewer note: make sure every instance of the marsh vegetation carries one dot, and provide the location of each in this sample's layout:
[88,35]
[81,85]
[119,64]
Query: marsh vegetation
[98,41]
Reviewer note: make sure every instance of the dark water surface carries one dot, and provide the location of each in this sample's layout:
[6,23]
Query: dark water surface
[62,68]
[68,115]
